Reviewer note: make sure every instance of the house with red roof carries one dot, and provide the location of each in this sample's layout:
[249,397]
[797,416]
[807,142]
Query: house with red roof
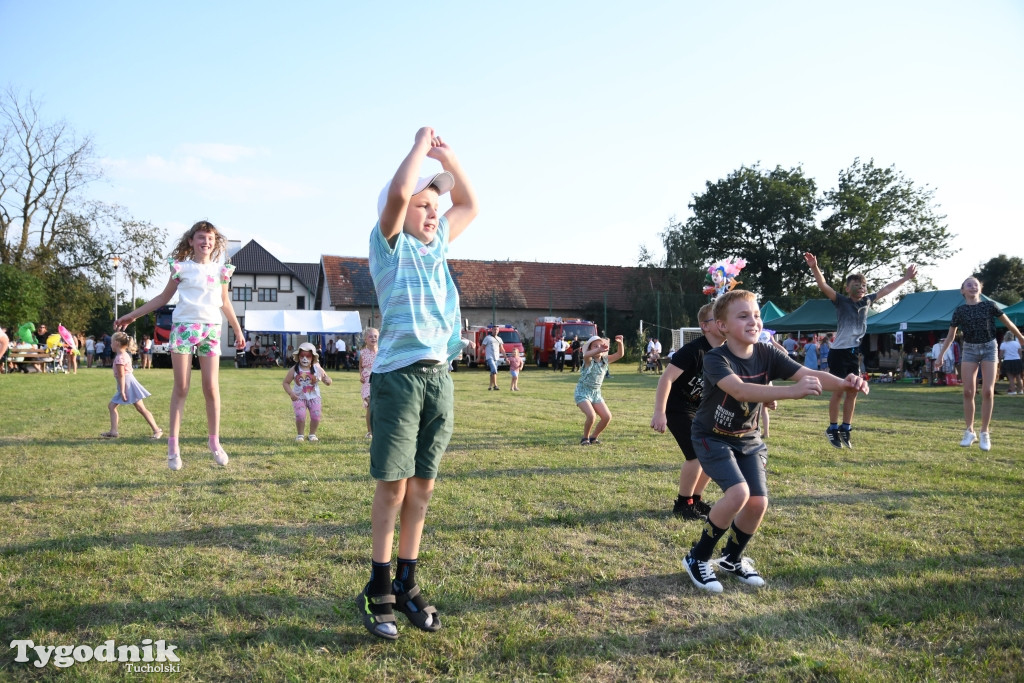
[508,292]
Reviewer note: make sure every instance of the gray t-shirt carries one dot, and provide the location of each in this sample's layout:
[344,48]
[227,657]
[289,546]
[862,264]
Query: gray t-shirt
[852,320]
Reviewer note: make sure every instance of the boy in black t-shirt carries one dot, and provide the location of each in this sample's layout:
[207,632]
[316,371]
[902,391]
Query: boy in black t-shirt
[675,404]
[726,433]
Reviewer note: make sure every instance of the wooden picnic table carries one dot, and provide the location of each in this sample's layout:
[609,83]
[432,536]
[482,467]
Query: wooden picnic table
[29,355]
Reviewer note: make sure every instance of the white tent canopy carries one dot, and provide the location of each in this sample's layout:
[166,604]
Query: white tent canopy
[303,322]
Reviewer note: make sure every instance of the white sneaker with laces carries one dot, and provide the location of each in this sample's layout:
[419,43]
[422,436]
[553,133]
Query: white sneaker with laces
[984,443]
[174,461]
[313,438]
[969,438]
[300,438]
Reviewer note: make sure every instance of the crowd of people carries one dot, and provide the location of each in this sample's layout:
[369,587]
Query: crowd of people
[712,396]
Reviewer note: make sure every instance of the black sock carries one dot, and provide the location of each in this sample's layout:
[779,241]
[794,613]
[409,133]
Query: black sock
[696,498]
[405,575]
[685,500]
[735,543]
[380,579]
[705,545]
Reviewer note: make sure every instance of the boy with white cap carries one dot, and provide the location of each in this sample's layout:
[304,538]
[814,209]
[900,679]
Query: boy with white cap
[411,401]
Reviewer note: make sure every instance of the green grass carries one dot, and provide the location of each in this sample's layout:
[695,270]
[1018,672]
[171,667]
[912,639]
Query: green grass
[899,560]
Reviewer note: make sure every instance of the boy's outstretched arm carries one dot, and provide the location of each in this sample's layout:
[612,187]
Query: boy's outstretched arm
[402,184]
[830,382]
[812,261]
[464,202]
[910,274]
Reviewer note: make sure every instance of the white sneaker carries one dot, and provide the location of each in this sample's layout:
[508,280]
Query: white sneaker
[968,439]
[220,457]
[174,461]
[313,438]
[300,438]
[983,442]
[1011,393]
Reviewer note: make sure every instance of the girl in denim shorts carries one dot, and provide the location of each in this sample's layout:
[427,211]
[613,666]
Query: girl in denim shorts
[976,317]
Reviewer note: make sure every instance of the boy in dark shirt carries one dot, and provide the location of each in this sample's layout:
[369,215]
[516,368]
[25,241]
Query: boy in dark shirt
[675,404]
[727,437]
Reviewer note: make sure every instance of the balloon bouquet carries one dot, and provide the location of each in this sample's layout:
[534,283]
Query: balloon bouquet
[721,277]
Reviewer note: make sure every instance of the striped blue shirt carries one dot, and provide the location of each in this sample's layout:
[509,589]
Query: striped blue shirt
[419,303]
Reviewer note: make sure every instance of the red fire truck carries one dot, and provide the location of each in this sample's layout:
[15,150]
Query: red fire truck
[548,329]
[509,337]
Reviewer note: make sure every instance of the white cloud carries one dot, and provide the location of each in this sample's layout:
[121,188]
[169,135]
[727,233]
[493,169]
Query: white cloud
[196,167]
[215,151]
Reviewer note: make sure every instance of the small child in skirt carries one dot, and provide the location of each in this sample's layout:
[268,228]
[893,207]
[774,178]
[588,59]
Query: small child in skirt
[129,390]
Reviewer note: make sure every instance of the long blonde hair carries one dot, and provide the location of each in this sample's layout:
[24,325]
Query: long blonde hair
[183,250]
[125,342]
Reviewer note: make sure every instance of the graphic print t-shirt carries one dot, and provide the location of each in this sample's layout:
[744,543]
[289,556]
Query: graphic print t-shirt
[686,390]
[722,416]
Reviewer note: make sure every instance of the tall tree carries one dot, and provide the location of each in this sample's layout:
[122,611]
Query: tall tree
[1002,278]
[22,297]
[879,222]
[42,167]
[761,216]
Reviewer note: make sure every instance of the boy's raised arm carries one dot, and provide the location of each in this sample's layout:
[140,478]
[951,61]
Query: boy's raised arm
[402,185]
[812,261]
[910,274]
[464,202]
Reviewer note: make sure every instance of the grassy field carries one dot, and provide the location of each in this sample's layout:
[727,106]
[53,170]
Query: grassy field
[899,560]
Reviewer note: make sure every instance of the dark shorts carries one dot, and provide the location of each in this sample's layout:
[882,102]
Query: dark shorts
[412,416]
[1012,367]
[728,463]
[843,362]
[679,424]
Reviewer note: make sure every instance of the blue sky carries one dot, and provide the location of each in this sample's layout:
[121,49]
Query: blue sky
[584,126]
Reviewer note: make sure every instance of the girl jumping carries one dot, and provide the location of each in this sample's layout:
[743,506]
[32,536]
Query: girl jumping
[201,282]
[129,391]
[588,389]
[306,374]
[366,357]
[977,318]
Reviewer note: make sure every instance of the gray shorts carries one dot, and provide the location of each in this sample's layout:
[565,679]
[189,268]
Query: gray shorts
[731,462]
[980,353]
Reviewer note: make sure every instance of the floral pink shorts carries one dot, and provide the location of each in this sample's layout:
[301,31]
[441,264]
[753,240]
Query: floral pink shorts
[313,405]
[203,336]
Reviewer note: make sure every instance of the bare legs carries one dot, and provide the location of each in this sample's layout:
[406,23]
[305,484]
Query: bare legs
[407,500]
[969,372]
[590,412]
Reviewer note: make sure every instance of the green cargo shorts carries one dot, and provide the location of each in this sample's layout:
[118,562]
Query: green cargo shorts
[412,414]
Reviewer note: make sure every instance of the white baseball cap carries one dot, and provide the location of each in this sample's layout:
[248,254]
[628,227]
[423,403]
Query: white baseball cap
[443,181]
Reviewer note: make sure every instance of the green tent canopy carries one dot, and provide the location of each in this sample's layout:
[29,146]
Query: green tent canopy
[1015,313]
[770,311]
[816,315]
[919,312]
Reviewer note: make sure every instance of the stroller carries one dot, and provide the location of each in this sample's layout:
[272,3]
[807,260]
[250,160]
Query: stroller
[56,347]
